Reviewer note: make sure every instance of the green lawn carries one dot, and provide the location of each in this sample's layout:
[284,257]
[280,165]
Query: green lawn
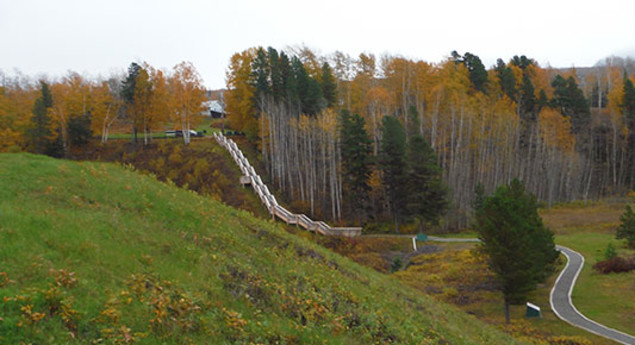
[92,252]
[605,298]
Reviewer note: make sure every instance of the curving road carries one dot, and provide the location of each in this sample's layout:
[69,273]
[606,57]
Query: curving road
[560,300]
[560,296]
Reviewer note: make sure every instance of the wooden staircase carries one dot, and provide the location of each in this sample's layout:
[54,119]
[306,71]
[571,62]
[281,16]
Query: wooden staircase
[269,201]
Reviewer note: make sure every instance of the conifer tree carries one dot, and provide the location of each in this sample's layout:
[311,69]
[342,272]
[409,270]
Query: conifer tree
[426,193]
[569,99]
[626,230]
[520,248]
[329,86]
[506,79]
[393,165]
[356,163]
[40,139]
[628,103]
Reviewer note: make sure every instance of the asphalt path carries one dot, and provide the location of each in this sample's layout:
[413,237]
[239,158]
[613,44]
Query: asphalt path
[560,300]
[560,297]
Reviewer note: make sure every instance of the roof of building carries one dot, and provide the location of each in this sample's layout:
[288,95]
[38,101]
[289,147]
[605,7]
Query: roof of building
[214,106]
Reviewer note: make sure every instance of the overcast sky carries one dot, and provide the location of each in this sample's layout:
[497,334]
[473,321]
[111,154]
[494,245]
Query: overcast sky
[100,37]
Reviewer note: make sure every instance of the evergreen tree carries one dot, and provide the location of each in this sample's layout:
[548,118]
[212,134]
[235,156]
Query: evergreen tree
[313,102]
[277,81]
[542,101]
[356,163]
[527,100]
[128,87]
[260,74]
[393,165]
[626,230]
[476,69]
[426,193]
[79,130]
[569,99]
[506,79]
[628,103]
[521,249]
[329,86]
[309,90]
[39,137]
[479,198]
[628,112]
[522,61]
[478,74]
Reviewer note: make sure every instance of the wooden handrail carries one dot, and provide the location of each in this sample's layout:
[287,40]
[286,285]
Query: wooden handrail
[270,202]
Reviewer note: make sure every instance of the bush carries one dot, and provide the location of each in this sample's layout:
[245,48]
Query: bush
[615,265]
[626,230]
[610,253]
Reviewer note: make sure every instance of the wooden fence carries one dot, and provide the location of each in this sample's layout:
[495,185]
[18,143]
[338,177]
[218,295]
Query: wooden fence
[269,201]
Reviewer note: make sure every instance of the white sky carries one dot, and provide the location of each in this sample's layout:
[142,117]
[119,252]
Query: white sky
[97,37]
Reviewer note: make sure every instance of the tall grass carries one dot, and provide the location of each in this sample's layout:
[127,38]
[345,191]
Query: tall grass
[93,252]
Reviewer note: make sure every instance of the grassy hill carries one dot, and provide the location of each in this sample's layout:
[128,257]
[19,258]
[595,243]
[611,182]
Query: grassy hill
[96,253]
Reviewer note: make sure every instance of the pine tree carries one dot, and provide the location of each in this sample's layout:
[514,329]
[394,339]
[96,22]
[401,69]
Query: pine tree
[628,103]
[329,87]
[309,90]
[628,112]
[506,79]
[393,165]
[260,74]
[569,99]
[426,193]
[521,249]
[626,230]
[40,139]
[128,88]
[527,100]
[478,74]
[475,68]
[356,163]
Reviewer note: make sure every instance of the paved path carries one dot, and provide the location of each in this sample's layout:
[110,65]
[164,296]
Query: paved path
[560,300]
[560,297]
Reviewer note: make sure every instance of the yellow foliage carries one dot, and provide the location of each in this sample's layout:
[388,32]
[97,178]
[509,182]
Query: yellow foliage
[555,130]
[239,98]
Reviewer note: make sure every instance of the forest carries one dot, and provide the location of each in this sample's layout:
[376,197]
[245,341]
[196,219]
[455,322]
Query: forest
[51,116]
[567,134]
[364,139]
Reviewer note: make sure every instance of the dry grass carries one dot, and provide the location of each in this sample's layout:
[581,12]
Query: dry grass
[564,220]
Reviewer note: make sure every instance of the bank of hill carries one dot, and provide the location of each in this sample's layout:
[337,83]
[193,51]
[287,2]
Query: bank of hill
[97,253]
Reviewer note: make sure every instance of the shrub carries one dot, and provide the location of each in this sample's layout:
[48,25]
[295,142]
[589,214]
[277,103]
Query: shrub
[626,230]
[615,265]
[610,253]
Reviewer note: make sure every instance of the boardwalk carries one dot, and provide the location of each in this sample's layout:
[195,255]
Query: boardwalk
[269,201]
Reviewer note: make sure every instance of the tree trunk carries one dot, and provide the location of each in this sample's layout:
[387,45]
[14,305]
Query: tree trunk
[507,316]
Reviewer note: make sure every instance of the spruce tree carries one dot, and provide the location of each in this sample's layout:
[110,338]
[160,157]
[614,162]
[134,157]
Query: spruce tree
[128,87]
[570,100]
[477,72]
[393,165]
[39,137]
[426,193]
[329,86]
[626,230]
[506,79]
[628,112]
[628,103]
[356,163]
[520,248]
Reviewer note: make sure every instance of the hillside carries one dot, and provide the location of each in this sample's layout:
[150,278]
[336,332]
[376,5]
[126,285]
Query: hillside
[92,252]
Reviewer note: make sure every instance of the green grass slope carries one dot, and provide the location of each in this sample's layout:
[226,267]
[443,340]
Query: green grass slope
[95,253]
